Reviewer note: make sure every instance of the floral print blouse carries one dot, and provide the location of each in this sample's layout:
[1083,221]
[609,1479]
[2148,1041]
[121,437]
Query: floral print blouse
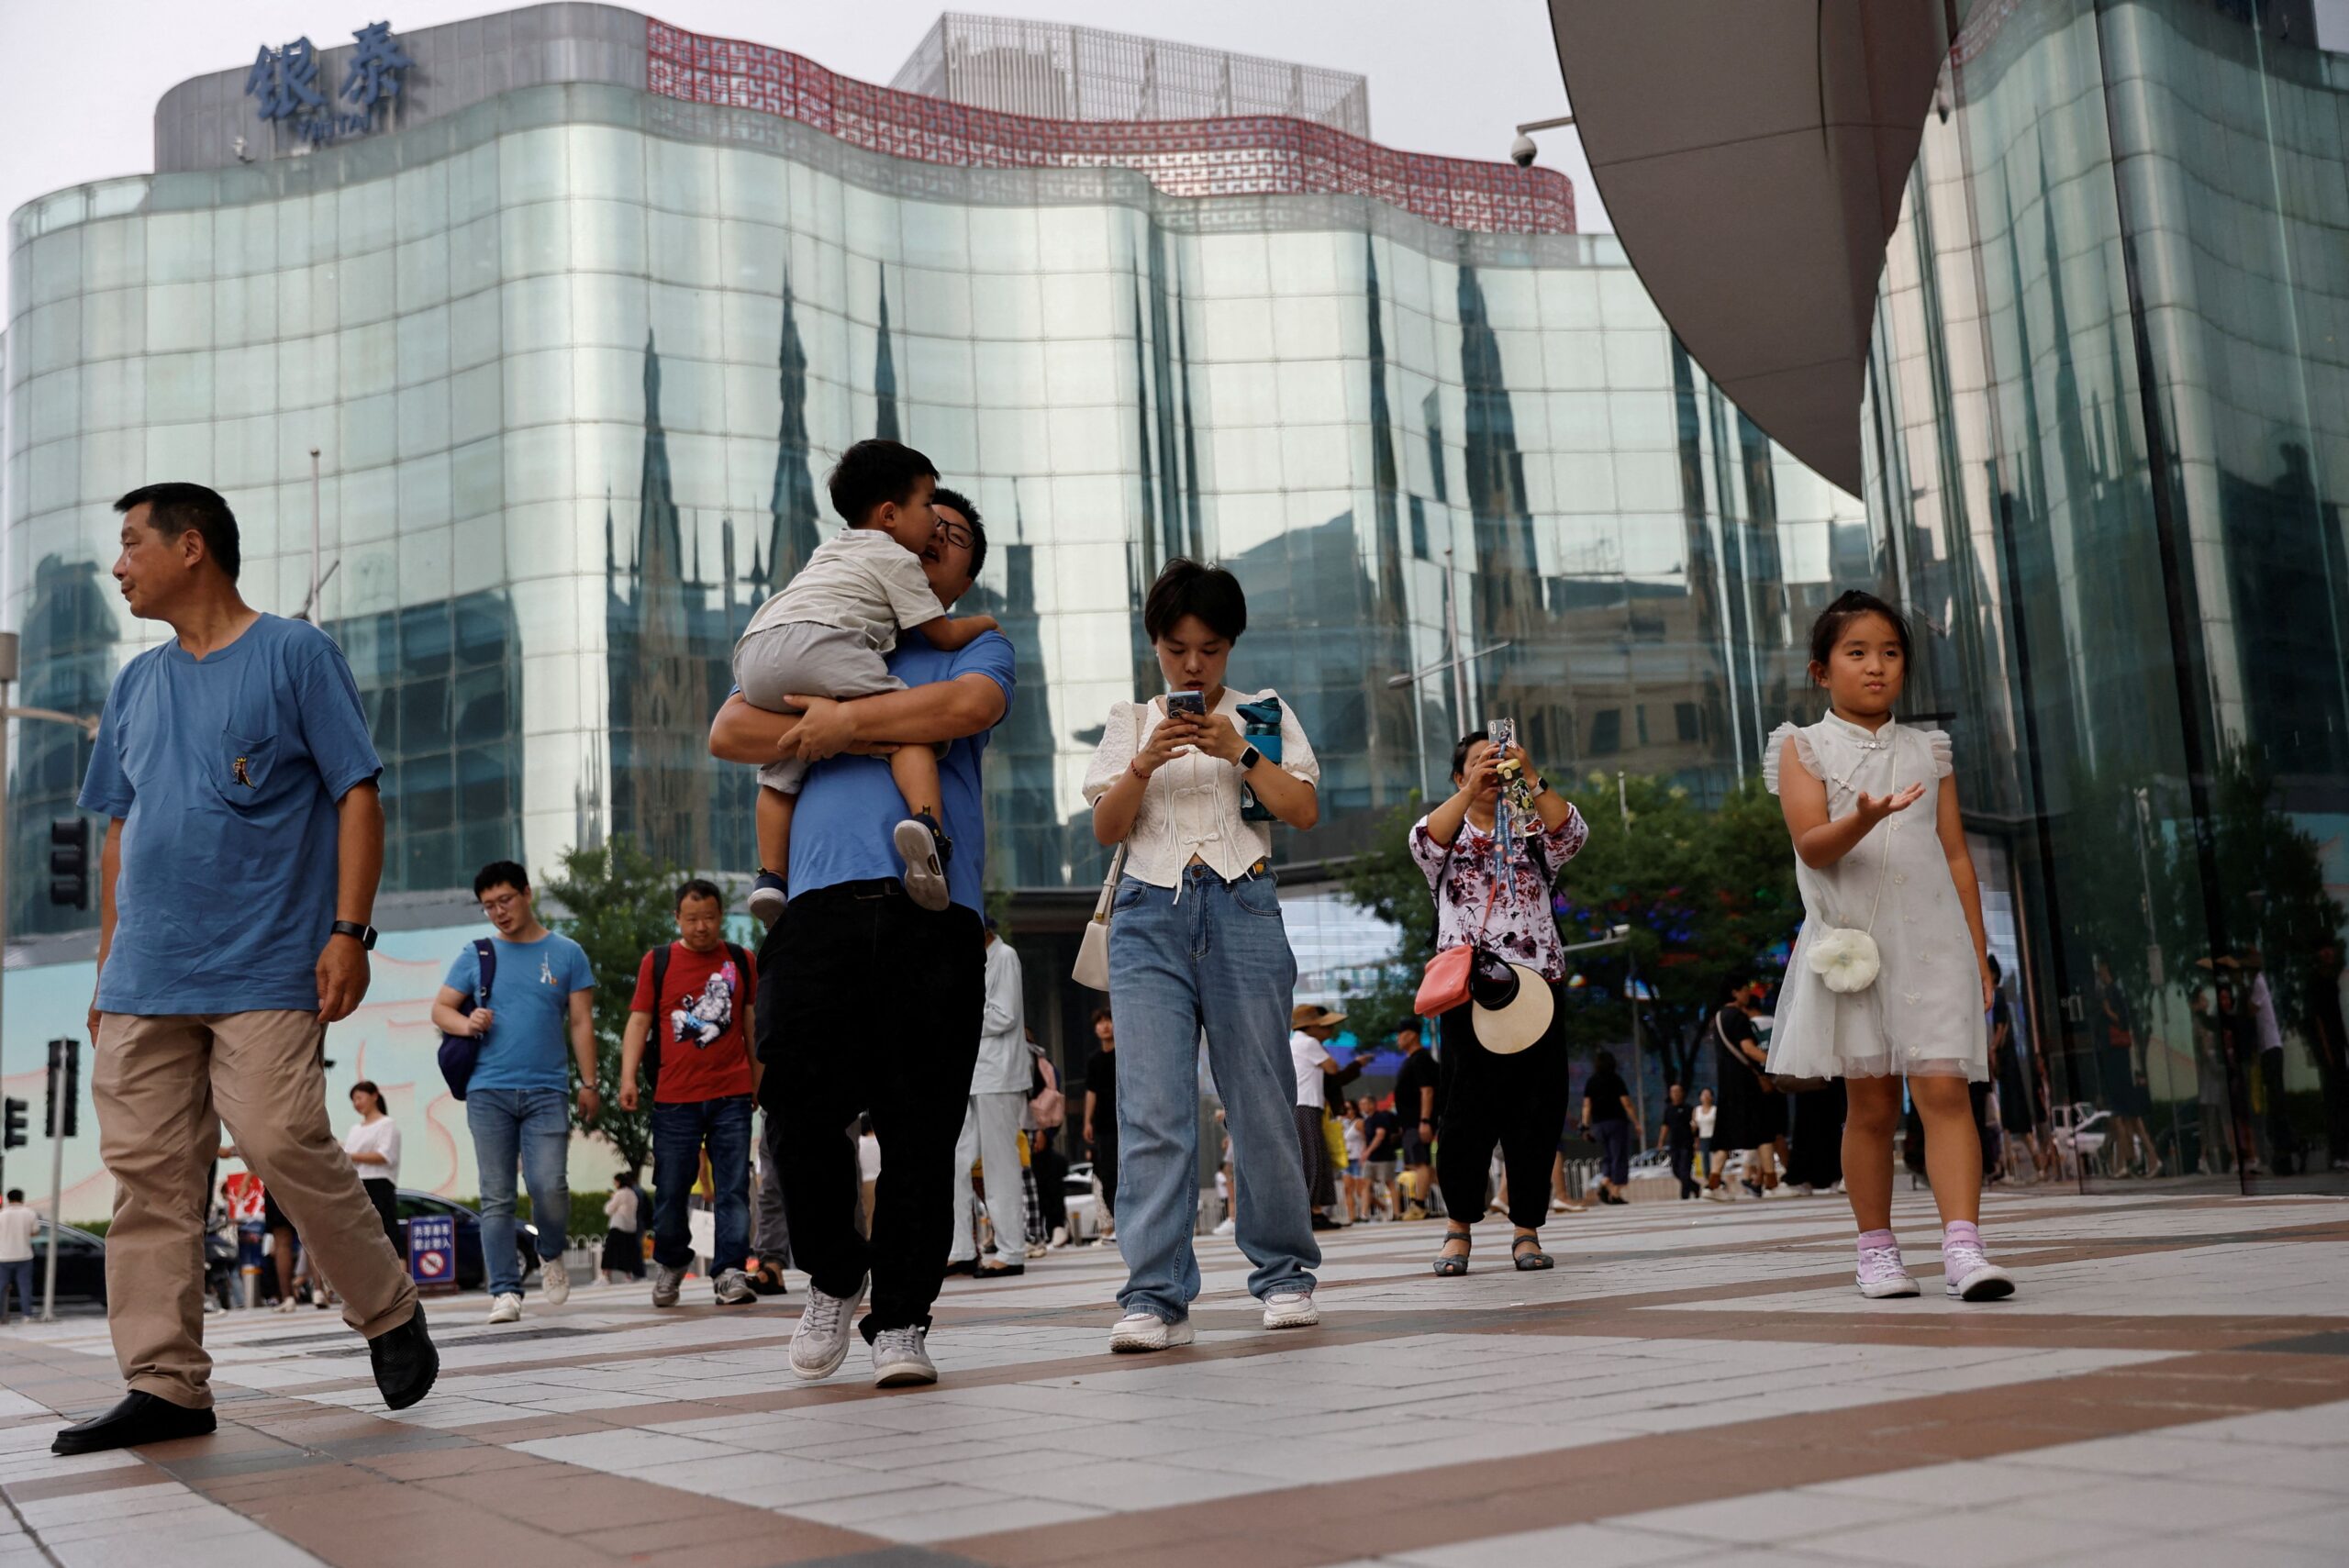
[1521,927]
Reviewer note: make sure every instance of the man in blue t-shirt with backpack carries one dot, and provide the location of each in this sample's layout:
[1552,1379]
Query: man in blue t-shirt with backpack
[519,994]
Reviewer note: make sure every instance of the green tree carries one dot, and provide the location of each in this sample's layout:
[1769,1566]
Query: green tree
[619,903]
[1388,882]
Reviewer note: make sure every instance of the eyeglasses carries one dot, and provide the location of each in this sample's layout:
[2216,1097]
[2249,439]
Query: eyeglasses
[956,534]
[500,906]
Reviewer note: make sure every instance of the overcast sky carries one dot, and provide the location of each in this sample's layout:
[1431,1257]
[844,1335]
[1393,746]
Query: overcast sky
[78,83]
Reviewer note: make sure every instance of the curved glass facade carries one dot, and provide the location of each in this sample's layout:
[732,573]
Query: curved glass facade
[2109,443]
[575,358]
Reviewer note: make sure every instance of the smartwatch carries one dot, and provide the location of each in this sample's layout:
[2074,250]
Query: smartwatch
[364,934]
[1249,758]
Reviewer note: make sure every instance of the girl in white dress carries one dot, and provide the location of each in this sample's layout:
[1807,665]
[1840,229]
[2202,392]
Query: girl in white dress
[1890,978]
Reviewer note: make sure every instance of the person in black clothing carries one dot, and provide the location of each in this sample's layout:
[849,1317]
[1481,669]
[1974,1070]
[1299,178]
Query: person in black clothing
[1753,1113]
[1608,1116]
[1817,1162]
[1678,1135]
[1101,1112]
[1419,1102]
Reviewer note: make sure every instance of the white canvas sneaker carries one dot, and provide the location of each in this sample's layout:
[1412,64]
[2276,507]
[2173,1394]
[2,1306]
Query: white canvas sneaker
[506,1308]
[819,1343]
[554,1277]
[901,1360]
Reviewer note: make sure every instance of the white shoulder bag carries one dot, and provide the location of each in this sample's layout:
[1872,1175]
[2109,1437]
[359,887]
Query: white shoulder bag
[1845,958]
[1092,966]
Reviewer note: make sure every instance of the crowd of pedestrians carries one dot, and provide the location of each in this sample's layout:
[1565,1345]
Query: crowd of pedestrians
[822,1103]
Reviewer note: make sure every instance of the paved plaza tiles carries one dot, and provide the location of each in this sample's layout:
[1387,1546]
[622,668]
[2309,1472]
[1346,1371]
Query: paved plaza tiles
[1692,1383]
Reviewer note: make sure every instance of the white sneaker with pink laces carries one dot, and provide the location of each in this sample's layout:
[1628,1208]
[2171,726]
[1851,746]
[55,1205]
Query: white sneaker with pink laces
[1882,1274]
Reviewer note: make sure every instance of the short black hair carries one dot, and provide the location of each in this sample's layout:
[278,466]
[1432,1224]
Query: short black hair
[16,1194]
[957,501]
[873,473]
[501,873]
[1099,1013]
[1827,629]
[1604,1060]
[699,887]
[175,507]
[1461,748]
[1188,588]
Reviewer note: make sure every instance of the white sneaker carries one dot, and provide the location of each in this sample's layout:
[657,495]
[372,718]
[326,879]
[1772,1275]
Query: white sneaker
[1138,1331]
[1968,1275]
[733,1288]
[506,1308]
[820,1342]
[1059,1238]
[1291,1309]
[554,1278]
[1227,1227]
[925,877]
[666,1283]
[900,1360]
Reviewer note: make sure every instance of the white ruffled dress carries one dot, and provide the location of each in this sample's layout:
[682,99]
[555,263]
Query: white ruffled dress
[1923,1014]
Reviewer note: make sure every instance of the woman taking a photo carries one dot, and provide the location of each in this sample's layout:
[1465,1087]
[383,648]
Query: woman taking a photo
[374,1145]
[1196,943]
[1515,1098]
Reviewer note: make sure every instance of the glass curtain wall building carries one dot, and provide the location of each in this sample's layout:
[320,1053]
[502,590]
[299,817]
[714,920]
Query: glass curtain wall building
[576,324]
[2108,444]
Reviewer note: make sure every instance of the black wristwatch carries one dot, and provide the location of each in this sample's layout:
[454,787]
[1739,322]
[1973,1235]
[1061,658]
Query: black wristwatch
[1249,758]
[365,934]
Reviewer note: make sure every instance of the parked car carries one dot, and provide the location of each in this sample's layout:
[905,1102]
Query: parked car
[471,1274]
[81,1263]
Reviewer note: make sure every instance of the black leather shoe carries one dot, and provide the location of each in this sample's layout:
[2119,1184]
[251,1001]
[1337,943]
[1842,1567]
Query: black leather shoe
[406,1362]
[142,1417]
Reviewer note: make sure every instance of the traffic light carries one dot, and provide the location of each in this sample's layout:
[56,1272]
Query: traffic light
[64,1087]
[12,1123]
[68,861]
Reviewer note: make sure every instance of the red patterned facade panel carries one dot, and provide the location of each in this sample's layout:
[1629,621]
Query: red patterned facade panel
[1251,155]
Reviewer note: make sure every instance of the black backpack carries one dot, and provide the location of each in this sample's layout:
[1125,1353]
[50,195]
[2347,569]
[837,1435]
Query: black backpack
[651,1066]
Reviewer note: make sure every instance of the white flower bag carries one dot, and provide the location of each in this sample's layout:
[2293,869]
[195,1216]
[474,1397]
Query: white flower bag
[1846,959]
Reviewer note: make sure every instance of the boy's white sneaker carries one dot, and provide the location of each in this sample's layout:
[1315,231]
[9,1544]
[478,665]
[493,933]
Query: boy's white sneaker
[506,1308]
[925,871]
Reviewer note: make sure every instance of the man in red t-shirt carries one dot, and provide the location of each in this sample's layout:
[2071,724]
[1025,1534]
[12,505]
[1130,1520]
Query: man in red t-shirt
[697,992]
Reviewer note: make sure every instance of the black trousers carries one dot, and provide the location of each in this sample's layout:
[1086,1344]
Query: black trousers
[1518,1101]
[868,1003]
[1684,1160]
[1051,1170]
[385,1196]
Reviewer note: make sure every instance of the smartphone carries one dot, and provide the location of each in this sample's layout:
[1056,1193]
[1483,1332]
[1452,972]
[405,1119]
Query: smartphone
[1193,703]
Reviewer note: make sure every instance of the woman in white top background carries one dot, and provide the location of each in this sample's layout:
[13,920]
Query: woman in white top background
[374,1145]
[1196,943]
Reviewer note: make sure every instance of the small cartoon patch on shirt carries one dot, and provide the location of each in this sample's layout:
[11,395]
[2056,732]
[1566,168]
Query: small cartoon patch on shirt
[243,776]
[546,972]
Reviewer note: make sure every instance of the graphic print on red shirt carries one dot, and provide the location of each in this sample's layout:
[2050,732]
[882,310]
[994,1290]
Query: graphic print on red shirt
[697,1021]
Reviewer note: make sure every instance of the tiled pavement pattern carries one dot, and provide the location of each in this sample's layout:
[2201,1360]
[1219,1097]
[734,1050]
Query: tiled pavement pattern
[1692,1383]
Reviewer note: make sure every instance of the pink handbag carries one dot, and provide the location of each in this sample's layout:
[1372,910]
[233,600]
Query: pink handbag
[1444,983]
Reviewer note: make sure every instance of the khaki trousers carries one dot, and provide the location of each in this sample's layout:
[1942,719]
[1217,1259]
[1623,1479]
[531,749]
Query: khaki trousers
[162,1086]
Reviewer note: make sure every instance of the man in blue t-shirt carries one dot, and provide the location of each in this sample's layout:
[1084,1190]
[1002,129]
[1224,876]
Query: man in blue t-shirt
[866,1001]
[243,842]
[517,1102]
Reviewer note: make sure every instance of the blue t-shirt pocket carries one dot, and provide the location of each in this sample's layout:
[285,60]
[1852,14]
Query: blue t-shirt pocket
[246,767]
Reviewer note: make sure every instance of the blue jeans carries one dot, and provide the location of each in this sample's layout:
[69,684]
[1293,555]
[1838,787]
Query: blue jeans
[679,1130]
[18,1274]
[1205,954]
[533,1126]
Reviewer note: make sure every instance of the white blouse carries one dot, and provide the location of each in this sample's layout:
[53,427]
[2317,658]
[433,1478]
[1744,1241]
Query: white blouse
[380,1137]
[1191,807]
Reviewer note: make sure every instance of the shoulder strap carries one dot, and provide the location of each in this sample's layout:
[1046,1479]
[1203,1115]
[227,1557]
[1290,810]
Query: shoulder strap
[741,959]
[486,970]
[659,973]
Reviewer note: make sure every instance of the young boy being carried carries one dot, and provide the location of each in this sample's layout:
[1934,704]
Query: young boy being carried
[824,636]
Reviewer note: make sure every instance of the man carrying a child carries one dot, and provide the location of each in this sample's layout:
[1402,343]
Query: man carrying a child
[869,1002]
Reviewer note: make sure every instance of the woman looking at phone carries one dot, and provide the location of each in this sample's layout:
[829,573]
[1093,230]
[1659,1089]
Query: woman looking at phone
[1197,944]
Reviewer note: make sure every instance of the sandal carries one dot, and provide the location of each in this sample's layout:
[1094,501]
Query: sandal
[1529,1262]
[1452,1265]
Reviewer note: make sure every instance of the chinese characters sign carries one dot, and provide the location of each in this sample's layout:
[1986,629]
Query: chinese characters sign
[284,86]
